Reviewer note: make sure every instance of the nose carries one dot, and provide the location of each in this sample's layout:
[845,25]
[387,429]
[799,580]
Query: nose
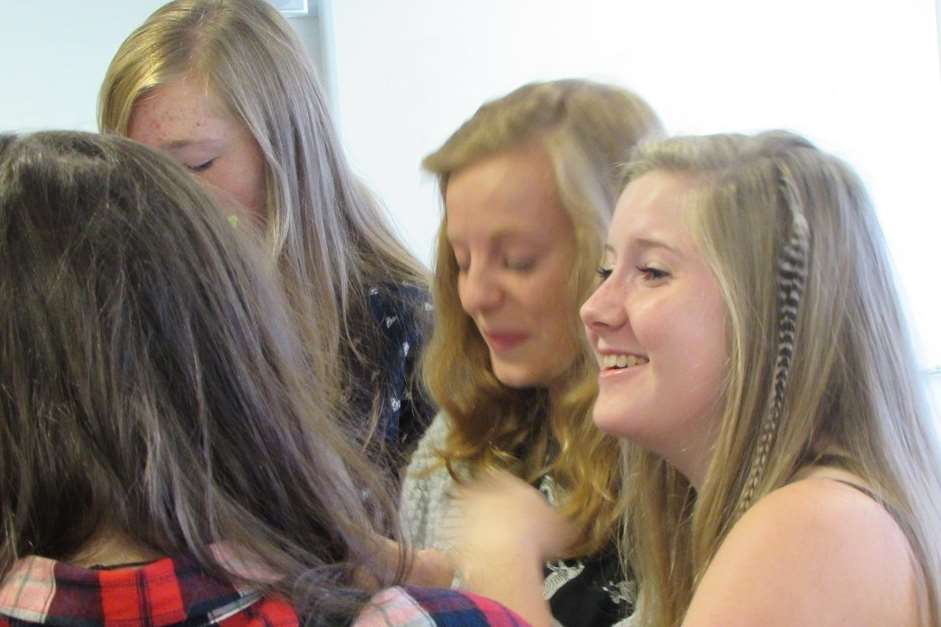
[603,310]
[479,290]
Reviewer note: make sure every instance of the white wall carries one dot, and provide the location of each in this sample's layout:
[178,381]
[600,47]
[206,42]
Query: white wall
[860,78]
[54,53]
[53,57]
[843,71]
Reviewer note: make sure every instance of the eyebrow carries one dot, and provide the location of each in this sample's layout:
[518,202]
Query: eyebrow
[178,144]
[645,243]
[499,236]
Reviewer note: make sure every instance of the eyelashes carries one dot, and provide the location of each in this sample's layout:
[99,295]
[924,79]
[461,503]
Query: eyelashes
[649,273]
[202,167]
[652,274]
[519,265]
[514,265]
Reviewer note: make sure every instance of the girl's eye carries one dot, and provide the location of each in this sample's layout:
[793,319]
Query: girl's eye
[603,273]
[520,265]
[652,274]
[202,167]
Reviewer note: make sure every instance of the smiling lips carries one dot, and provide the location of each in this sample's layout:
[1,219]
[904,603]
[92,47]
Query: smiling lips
[623,360]
[502,342]
[618,363]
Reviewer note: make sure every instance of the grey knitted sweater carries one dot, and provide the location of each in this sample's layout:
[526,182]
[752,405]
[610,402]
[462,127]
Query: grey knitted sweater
[428,517]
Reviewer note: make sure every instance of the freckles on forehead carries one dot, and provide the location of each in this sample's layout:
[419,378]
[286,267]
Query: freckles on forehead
[175,112]
[147,125]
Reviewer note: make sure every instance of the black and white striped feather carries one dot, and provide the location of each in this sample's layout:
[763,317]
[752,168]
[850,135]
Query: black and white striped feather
[791,278]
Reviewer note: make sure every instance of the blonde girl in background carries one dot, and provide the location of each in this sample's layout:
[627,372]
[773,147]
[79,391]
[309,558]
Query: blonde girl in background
[226,88]
[528,184]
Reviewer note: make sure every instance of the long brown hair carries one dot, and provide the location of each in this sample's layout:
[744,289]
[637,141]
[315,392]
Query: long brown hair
[152,384]
[587,129]
[330,236]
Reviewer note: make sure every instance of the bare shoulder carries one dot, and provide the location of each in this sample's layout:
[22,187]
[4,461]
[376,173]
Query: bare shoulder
[814,552]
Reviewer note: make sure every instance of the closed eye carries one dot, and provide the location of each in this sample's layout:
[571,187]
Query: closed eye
[202,167]
[603,273]
[519,265]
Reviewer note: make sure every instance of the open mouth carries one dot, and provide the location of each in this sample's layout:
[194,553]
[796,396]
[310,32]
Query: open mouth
[622,361]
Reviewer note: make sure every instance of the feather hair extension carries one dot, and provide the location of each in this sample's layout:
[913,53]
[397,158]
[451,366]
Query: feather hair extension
[791,278]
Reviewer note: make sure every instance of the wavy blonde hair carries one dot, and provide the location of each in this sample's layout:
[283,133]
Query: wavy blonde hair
[586,129]
[853,388]
[330,236]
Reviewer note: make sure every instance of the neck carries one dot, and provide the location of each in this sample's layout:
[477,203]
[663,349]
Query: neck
[109,548]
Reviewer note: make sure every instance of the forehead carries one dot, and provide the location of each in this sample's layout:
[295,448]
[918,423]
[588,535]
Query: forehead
[655,205]
[180,110]
[512,191]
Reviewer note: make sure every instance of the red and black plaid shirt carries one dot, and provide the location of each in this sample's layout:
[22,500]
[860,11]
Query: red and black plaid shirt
[165,592]
[177,591]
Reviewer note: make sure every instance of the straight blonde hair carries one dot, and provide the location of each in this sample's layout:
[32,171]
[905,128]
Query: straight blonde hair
[586,129]
[853,390]
[329,235]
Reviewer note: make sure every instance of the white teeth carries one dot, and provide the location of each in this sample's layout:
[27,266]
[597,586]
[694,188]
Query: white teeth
[622,361]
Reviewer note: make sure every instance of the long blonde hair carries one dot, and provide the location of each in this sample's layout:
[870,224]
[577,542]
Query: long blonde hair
[586,129]
[328,233]
[852,392]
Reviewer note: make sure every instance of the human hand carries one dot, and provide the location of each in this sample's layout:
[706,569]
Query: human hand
[499,512]
[428,568]
[431,568]
[504,532]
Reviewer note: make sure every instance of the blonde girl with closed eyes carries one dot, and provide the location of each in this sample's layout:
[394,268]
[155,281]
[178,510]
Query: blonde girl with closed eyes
[225,87]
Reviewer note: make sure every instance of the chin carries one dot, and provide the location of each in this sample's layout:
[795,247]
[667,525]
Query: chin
[605,426]
[611,422]
[518,377]
[516,381]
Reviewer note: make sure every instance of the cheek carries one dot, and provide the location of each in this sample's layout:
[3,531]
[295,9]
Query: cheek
[699,353]
[549,295]
[654,323]
[462,300]
[688,335]
[460,288]
[217,183]
[258,187]
[556,321]
[234,184]
[242,174]
[255,172]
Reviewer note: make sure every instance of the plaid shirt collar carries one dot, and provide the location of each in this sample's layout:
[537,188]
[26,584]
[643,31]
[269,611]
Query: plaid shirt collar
[165,592]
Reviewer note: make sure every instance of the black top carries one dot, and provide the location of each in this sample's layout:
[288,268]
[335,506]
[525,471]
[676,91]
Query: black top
[594,593]
[402,313]
[590,591]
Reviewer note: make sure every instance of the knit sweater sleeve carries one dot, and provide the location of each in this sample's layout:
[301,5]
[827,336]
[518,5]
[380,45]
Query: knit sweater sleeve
[425,501]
